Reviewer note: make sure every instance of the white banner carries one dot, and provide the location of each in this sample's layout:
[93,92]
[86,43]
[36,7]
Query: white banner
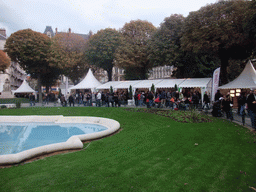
[215,82]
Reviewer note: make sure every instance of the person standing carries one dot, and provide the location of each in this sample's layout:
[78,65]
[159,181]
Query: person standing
[150,98]
[163,98]
[195,100]
[217,96]
[136,98]
[63,101]
[71,100]
[32,99]
[206,101]
[227,106]
[139,99]
[98,99]
[80,98]
[251,103]
[241,103]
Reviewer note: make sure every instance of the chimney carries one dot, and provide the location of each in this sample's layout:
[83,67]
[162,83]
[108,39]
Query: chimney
[3,32]
[69,30]
[56,31]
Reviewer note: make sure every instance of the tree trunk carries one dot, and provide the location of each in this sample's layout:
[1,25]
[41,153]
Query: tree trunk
[223,69]
[109,74]
[47,87]
[39,88]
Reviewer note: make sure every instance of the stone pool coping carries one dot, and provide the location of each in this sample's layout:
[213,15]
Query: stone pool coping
[74,142]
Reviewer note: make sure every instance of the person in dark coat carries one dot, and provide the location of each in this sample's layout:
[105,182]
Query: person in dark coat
[206,101]
[63,101]
[218,95]
[195,100]
[71,100]
[227,106]
[251,103]
[32,99]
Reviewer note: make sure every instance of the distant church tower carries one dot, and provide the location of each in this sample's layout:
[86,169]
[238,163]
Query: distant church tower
[48,31]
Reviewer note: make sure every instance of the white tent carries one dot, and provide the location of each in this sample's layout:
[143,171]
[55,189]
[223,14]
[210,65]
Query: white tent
[196,82]
[246,80]
[126,84]
[169,83]
[24,88]
[89,82]
[147,83]
[108,84]
[205,84]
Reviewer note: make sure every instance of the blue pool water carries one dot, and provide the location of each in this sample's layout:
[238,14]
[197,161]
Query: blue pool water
[17,137]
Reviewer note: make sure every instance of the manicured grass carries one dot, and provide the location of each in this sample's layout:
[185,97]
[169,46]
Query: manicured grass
[151,153]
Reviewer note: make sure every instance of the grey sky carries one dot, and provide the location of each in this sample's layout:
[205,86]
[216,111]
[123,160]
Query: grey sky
[82,16]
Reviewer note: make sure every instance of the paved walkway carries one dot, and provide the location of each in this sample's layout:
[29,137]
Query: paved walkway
[237,118]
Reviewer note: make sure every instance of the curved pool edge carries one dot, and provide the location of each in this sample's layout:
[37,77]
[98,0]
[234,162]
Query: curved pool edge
[74,142]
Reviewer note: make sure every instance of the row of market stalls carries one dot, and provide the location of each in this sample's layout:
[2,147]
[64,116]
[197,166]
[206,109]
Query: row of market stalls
[246,80]
[90,82]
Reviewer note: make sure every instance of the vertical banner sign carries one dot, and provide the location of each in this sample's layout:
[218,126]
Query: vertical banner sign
[66,87]
[215,82]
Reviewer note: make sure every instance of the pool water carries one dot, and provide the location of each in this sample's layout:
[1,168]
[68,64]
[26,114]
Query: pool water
[18,137]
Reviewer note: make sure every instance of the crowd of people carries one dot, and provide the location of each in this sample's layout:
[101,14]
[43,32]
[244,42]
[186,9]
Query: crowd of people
[168,99]
[107,99]
[246,102]
[161,99]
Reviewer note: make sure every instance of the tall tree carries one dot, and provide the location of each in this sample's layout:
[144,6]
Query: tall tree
[101,48]
[133,53]
[31,50]
[67,55]
[218,29]
[4,61]
[164,46]
[191,65]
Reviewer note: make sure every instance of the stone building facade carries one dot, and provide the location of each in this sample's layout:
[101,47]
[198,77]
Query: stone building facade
[161,72]
[14,75]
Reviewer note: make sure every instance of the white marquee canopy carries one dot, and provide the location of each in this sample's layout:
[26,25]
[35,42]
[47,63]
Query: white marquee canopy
[246,80]
[89,82]
[24,88]
[196,82]
[159,83]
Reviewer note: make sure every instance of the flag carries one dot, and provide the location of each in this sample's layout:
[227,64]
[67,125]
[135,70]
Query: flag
[215,82]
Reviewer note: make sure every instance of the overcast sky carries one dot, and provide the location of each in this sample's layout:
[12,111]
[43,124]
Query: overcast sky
[82,16]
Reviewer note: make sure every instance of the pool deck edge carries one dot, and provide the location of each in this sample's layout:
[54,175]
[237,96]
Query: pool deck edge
[74,142]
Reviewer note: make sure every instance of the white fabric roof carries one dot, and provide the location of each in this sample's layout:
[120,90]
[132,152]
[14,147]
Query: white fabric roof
[158,83]
[89,82]
[24,88]
[126,84]
[108,84]
[246,80]
[169,83]
[147,83]
[195,82]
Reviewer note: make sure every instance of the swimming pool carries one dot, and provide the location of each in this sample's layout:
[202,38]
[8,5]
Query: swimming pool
[17,137]
[73,142]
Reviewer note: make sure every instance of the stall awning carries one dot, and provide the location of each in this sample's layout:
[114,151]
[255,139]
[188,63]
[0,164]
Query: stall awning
[196,82]
[147,83]
[169,83]
[126,84]
[108,84]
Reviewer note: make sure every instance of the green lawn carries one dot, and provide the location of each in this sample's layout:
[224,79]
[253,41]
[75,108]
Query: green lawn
[151,153]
